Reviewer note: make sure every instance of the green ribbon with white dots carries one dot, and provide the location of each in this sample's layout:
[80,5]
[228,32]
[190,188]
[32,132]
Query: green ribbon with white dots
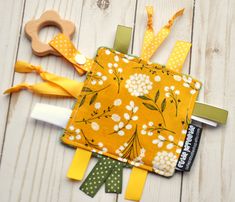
[113,184]
[98,176]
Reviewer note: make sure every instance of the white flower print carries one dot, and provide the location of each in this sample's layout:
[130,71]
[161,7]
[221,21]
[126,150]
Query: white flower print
[97,78]
[157,78]
[138,160]
[100,147]
[181,143]
[197,85]
[116,70]
[117,102]
[107,52]
[110,65]
[138,84]
[119,70]
[192,91]
[129,57]
[125,60]
[178,151]
[151,129]
[125,124]
[104,78]
[77,131]
[189,84]
[116,58]
[95,126]
[173,93]
[160,141]
[77,135]
[177,77]
[164,163]
[127,116]
[71,127]
[100,144]
[186,85]
[122,159]
[184,131]
[116,117]
[97,105]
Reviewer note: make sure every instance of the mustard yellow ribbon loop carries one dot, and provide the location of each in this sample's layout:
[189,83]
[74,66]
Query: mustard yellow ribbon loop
[65,47]
[43,88]
[173,18]
[149,33]
[152,42]
[54,85]
[149,10]
[24,67]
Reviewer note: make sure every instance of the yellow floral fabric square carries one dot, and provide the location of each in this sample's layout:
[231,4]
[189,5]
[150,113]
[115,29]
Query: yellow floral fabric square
[133,111]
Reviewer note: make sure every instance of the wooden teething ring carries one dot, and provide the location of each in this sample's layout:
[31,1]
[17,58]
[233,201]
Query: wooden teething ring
[49,18]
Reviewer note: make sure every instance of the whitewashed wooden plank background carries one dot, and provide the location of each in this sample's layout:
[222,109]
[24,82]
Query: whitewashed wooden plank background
[33,162]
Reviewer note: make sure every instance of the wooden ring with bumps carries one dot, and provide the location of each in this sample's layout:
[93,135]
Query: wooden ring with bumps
[49,18]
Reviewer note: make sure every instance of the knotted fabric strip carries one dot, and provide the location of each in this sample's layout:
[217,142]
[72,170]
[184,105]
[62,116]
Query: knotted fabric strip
[53,85]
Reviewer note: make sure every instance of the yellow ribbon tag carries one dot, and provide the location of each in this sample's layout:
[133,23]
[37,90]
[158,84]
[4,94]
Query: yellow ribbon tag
[54,85]
[79,164]
[136,184]
[152,42]
[178,56]
[65,47]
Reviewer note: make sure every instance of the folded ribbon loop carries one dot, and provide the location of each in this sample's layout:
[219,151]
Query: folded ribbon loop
[98,176]
[65,47]
[151,43]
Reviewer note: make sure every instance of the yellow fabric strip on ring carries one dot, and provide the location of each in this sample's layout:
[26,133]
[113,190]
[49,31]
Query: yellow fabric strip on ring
[178,56]
[54,85]
[65,47]
[152,42]
[136,184]
[79,164]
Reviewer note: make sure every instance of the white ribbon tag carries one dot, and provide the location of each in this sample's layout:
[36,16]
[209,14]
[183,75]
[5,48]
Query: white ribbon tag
[58,116]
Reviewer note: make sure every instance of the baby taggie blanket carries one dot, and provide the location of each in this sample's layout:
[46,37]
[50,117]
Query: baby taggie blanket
[133,111]
[129,111]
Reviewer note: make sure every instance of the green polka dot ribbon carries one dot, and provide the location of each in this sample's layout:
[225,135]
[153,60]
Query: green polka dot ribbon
[113,184]
[98,176]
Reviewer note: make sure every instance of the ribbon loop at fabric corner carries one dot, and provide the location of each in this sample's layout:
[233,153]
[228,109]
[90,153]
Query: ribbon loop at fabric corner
[65,48]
